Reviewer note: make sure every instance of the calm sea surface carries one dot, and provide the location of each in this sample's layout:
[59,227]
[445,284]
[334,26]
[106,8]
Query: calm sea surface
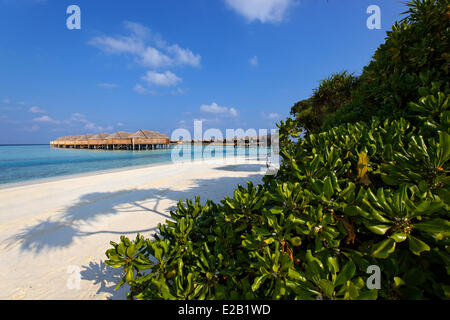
[30,162]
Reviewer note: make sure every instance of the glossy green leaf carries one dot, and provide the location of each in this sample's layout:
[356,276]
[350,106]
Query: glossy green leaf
[346,273]
[383,249]
[377,227]
[417,246]
[399,237]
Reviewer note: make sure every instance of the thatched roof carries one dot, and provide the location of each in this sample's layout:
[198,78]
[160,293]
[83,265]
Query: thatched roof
[147,134]
[99,136]
[139,134]
[84,137]
[68,138]
[120,135]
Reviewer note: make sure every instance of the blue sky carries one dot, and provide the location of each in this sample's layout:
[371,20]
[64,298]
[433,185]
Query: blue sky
[159,65]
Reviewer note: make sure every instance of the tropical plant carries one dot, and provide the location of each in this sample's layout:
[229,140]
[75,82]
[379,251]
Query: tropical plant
[413,62]
[358,194]
[332,94]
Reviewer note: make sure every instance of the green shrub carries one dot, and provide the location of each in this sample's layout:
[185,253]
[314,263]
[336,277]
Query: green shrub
[356,195]
[413,62]
[374,192]
[332,94]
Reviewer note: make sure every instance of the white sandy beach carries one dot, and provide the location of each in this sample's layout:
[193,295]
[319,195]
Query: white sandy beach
[51,229]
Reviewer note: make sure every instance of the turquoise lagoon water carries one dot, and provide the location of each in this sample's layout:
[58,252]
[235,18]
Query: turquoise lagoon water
[19,163]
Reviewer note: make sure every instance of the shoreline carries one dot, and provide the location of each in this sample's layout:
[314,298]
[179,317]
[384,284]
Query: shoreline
[53,231]
[29,182]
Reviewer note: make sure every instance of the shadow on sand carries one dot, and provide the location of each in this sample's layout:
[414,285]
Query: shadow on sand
[105,278]
[243,168]
[58,233]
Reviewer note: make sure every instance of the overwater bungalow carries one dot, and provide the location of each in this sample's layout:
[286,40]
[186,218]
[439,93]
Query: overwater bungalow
[83,140]
[120,140]
[98,139]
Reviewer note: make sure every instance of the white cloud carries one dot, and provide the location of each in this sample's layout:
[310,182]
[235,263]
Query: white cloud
[147,49]
[262,10]
[213,108]
[154,58]
[92,127]
[271,116]
[216,109]
[184,56]
[6,101]
[233,112]
[141,90]
[36,109]
[179,91]
[137,29]
[45,119]
[253,61]
[166,79]
[117,45]
[77,122]
[107,85]
[77,119]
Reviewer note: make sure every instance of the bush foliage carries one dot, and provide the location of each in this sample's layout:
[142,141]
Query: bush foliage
[332,94]
[413,62]
[359,194]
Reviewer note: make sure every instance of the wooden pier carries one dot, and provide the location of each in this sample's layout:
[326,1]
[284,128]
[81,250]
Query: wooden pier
[140,140]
